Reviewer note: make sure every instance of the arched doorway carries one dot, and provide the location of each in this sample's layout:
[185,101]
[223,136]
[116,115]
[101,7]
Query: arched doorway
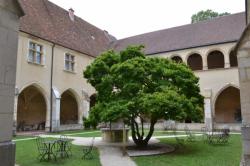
[215,59]
[69,108]
[233,59]
[227,106]
[31,110]
[176,59]
[194,61]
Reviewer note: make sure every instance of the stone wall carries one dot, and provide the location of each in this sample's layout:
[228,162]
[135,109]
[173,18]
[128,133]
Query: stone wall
[9,23]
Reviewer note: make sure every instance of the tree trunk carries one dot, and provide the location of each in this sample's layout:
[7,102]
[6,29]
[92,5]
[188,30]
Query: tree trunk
[138,138]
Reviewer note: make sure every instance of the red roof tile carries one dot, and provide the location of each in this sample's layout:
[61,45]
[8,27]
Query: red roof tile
[50,22]
[219,30]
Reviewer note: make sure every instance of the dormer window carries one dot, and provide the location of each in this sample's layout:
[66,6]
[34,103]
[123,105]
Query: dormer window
[69,64]
[35,53]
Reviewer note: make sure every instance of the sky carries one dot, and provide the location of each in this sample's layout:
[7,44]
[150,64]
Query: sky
[124,18]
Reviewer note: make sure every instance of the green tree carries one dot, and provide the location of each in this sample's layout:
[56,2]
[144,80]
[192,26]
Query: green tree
[206,15]
[130,86]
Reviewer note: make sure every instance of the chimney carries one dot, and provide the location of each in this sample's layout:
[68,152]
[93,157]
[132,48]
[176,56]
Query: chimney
[71,14]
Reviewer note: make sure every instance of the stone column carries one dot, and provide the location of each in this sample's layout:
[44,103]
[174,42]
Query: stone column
[244,73]
[56,107]
[86,107]
[204,62]
[226,59]
[208,109]
[10,12]
[86,104]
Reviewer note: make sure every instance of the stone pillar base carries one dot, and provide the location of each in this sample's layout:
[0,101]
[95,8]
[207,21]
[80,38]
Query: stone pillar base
[7,153]
[209,123]
[246,145]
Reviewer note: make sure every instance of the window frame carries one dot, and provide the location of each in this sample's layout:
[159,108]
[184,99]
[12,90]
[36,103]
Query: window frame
[36,52]
[71,62]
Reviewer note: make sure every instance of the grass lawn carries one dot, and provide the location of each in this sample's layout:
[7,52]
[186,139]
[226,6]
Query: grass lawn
[26,155]
[192,154]
[21,137]
[75,132]
[197,154]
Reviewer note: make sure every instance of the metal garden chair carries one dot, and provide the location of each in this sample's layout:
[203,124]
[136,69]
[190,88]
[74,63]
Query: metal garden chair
[66,145]
[42,148]
[87,152]
[180,142]
[190,135]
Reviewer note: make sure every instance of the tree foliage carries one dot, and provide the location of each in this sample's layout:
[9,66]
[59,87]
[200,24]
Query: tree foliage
[206,15]
[130,86]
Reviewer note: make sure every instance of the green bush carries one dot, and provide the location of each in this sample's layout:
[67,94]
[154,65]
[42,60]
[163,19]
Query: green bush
[88,124]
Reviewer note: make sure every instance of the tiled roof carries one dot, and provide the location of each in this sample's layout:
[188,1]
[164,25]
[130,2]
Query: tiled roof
[218,30]
[50,22]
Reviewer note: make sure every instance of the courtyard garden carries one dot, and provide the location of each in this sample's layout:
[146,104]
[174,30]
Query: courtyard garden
[191,153]
[136,92]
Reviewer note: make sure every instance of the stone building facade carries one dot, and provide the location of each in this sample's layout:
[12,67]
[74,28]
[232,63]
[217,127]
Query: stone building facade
[55,46]
[208,49]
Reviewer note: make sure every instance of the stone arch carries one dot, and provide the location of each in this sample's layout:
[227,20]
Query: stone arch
[194,61]
[233,58]
[177,59]
[32,108]
[215,59]
[227,107]
[69,108]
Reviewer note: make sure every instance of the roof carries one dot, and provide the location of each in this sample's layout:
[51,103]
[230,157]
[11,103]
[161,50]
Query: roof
[218,30]
[50,22]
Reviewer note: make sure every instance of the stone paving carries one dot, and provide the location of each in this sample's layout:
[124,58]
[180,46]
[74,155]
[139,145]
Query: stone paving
[113,156]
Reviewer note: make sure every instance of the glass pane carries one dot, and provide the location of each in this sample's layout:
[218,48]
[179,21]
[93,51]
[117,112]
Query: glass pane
[39,48]
[31,56]
[66,65]
[72,58]
[32,46]
[72,66]
[38,58]
[67,57]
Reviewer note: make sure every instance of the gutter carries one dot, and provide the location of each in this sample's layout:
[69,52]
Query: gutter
[51,85]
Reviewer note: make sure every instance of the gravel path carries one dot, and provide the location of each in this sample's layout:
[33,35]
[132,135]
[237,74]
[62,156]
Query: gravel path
[113,156]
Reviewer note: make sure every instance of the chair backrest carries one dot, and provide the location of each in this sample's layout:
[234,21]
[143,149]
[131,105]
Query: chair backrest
[187,131]
[39,142]
[204,130]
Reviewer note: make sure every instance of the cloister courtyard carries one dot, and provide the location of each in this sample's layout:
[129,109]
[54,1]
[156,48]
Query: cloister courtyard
[73,94]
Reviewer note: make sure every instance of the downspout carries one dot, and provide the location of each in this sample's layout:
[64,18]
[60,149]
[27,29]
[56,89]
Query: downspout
[51,85]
